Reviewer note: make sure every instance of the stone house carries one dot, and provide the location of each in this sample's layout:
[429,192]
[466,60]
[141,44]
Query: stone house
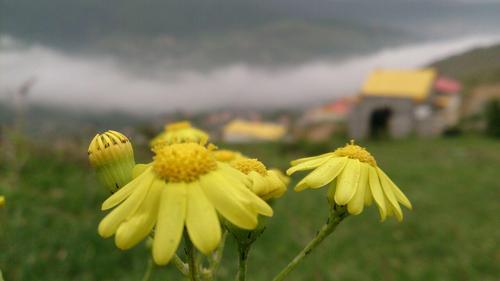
[398,103]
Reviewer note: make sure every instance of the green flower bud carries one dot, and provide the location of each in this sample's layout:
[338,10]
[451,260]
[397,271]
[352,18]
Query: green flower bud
[112,156]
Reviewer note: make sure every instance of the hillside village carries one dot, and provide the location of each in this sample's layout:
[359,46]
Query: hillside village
[394,103]
[445,98]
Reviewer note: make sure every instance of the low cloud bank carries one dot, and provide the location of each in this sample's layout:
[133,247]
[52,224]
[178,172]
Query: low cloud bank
[103,84]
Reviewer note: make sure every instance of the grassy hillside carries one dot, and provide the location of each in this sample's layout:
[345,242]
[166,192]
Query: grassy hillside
[48,228]
[473,68]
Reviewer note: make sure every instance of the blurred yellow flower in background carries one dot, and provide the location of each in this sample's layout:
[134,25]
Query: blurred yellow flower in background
[112,156]
[267,184]
[185,187]
[355,180]
[226,155]
[2,201]
[179,132]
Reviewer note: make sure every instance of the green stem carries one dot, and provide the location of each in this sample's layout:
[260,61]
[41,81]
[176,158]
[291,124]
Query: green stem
[180,265]
[217,257]
[149,270]
[243,250]
[193,267]
[337,214]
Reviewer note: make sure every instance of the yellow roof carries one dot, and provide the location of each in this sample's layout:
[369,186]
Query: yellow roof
[414,84]
[260,130]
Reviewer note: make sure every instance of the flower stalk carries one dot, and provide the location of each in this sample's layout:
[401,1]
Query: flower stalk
[216,257]
[190,253]
[180,265]
[243,250]
[337,215]
[149,270]
[245,240]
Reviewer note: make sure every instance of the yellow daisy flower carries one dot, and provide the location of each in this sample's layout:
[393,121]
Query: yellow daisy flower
[267,184]
[354,178]
[184,187]
[179,132]
[284,178]
[112,156]
[226,155]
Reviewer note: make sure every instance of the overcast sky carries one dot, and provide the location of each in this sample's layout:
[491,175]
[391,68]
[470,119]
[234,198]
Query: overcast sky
[101,83]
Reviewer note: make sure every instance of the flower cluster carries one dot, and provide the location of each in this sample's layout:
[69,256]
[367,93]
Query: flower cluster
[187,186]
[193,189]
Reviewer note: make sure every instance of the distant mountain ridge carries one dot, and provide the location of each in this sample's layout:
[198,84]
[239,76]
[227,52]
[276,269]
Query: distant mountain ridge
[207,32]
[476,67]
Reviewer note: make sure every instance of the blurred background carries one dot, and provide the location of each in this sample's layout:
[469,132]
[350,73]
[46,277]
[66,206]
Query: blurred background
[416,82]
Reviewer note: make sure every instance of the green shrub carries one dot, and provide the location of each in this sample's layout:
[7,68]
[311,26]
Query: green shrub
[492,114]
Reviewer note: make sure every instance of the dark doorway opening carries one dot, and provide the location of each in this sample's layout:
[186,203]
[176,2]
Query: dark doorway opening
[379,123]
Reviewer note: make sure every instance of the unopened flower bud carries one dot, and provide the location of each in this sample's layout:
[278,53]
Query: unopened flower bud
[112,156]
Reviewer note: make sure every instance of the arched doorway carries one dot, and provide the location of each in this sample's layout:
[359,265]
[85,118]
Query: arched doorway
[379,122]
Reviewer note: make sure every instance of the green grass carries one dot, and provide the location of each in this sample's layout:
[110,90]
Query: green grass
[48,227]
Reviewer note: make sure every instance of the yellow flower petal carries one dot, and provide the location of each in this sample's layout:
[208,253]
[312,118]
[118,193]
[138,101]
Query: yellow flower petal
[356,204]
[278,186]
[125,191]
[219,192]
[235,173]
[397,192]
[368,192]
[307,159]
[112,221]
[260,206]
[140,224]
[201,220]
[171,217]
[387,188]
[347,182]
[302,164]
[324,174]
[259,185]
[377,192]
[330,194]
[139,169]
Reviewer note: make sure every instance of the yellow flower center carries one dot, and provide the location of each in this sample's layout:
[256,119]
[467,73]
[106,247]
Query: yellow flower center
[178,126]
[224,155]
[184,162]
[354,151]
[248,165]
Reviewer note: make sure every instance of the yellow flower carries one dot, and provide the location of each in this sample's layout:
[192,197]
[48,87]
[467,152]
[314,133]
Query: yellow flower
[179,132]
[2,201]
[184,187]
[284,178]
[226,155]
[354,178]
[112,156]
[267,184]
